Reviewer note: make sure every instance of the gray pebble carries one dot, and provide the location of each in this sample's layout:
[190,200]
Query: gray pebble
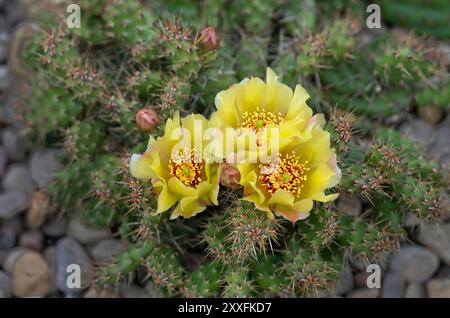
[5,285]
[437,238]
[419,131]
[393,285]
[106,249]
[13,202]
[86,233]
[68,251]
[18,177]
[44,164]
[415,263]
[13,144]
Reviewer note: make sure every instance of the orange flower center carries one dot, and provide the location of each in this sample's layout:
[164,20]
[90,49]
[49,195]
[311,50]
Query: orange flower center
[285,173]
[187,167]
[259,119]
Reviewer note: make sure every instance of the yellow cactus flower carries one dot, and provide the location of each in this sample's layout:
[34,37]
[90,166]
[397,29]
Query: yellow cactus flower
[175,166]
[298,175]
[255,106]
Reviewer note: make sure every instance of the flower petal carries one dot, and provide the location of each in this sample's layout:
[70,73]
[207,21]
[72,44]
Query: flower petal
[277,95]
[140,167]
[298,106]
[299,211]
[179,188]
[166,200]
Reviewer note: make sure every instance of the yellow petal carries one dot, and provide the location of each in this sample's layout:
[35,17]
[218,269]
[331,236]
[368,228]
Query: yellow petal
[298,106]
[317,181]
[226,106]
[282,197]
[317,150]
[140,167]
[299,211]
[277,95]
[166,200]
[321,197]
[179,188]
[190,207]
[249,97]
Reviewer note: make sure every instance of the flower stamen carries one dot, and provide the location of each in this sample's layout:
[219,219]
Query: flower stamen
[259,119]
[186,168]
[285,173]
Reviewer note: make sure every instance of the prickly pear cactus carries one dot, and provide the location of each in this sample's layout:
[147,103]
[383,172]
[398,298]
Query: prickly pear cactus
[100,90]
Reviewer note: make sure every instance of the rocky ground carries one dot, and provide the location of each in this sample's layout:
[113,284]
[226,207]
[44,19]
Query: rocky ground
[37,244]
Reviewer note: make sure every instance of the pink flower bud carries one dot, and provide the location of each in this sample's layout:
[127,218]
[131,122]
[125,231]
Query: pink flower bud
[147,119]
[230,176]
[208,38]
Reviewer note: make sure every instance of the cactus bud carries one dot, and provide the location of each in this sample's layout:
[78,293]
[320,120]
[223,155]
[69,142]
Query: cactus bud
[230,176]
[208,38]
[147,119]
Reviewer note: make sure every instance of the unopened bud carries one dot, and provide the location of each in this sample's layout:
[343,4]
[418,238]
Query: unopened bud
[147,119]
[208,38]
[230,176]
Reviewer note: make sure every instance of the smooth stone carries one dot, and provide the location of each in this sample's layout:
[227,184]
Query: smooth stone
[441,148]
[439,288]
[86,233]
[349,204]
[33,240]
[38,211]
[345,283]
[67,252]
[415,290]
[13,144]
[12,256]
[31,276]
[419,131]
[437,238]
[57,227]
[18,177]
[393,285]
[364,293]
[106,249]
[416,264]
[44,164]
[7,238]
[12,202]
[5,285]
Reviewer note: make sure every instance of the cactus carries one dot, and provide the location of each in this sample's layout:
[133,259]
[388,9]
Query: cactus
[90,84]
